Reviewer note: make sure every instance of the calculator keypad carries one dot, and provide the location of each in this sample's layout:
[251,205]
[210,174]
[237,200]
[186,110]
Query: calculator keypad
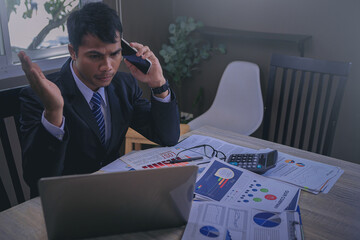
[246,161]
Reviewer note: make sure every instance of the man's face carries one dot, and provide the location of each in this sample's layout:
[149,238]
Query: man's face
[96,62]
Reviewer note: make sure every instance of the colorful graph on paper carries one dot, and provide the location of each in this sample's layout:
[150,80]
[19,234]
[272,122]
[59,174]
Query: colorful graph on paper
[267,219]
[165,163]
[217,181]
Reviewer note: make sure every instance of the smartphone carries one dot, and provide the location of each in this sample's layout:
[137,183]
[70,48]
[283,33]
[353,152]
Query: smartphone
[129,53]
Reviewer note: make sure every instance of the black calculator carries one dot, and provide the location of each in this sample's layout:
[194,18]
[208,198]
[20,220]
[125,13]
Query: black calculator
[255,162]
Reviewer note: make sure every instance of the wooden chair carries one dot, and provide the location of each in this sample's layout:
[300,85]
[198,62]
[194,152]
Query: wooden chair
[4,200]
[9,129]
[303,101]
[133,139]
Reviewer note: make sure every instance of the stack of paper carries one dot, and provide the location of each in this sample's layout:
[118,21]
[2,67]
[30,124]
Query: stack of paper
[210,220]
[236,203]
[226,183]
[309,175]
[242,205]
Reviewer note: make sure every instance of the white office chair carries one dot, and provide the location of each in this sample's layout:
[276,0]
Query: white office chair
[238,104]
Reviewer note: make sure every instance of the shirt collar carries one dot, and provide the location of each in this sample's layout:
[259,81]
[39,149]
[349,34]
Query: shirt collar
[87,92]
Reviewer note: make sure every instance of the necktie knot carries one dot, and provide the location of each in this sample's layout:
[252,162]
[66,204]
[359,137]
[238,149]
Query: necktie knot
[96,110]
[96,99]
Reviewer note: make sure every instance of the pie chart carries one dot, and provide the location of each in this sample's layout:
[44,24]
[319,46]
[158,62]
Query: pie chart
[267,219]
[209,231]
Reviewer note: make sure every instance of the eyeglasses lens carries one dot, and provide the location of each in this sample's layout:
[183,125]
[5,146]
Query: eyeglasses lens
[209,151]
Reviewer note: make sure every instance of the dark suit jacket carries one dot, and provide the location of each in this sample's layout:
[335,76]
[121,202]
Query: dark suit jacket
[81,151]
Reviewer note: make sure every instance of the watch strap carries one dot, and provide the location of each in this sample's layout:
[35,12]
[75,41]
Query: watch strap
[161,89]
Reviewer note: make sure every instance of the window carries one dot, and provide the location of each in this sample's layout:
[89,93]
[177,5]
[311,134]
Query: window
[3,55]
[39,28]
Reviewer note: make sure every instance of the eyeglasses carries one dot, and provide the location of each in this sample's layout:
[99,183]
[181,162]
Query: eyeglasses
[207,150]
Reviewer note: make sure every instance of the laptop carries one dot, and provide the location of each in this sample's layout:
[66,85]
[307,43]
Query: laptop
[92,205]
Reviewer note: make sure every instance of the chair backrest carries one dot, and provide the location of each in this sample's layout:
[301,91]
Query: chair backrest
[303,101]
[9,129]
[4,200]
[238,104]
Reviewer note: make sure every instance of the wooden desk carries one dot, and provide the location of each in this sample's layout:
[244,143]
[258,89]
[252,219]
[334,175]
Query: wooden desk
[335,215]
[133,137]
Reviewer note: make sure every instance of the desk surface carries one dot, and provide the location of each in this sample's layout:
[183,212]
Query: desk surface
[335,215]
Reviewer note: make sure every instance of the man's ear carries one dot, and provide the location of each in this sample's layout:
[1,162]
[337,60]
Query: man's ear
[72,52]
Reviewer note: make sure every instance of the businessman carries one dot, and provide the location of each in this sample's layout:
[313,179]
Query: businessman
[74,121]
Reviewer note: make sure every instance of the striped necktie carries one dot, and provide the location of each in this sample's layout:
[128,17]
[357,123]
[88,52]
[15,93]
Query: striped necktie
[96,110]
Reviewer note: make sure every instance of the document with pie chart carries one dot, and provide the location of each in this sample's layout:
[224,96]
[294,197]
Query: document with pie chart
[226,183]
[211,220]
[310,175]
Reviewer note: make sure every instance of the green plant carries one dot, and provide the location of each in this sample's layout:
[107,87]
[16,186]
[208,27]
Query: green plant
[185,51]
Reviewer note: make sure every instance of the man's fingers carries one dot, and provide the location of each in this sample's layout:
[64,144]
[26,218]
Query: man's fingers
[155,74]
[37,74]
[35,80]
[143,50]
[136,45]
[46,90]
[131,67]
[25,61]
[150,55]
[32,71]
[21,55]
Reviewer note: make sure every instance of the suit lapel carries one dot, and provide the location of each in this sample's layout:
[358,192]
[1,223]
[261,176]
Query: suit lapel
[83,110]
[76,100]
[117,122]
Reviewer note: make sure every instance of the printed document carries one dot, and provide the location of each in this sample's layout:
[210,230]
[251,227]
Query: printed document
[160,157]
[309,175]
[210,220]
[228,184]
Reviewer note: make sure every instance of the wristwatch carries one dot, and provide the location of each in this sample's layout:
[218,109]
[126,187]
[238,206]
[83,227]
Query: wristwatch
[161,89]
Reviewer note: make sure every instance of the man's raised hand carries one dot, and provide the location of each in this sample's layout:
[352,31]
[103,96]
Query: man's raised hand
[46,90]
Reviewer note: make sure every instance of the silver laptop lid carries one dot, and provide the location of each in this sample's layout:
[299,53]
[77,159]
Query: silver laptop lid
[91,205]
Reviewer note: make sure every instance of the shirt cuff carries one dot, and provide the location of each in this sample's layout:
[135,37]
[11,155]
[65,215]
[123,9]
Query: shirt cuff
[166,99]
[57,132]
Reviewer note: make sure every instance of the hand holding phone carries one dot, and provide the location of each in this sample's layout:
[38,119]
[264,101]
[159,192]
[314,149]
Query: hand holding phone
[129,53]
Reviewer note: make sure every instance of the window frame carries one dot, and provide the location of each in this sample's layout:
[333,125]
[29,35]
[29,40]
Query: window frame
[4,59]
[8,69]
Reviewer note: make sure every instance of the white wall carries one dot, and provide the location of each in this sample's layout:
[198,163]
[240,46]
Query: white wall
[333,24]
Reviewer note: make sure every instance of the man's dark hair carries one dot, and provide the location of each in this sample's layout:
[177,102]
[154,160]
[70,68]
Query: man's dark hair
[96,19]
